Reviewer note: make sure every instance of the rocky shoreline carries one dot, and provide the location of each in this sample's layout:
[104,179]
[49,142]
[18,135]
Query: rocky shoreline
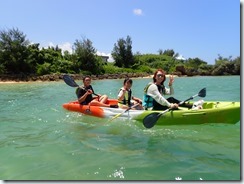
[58,77]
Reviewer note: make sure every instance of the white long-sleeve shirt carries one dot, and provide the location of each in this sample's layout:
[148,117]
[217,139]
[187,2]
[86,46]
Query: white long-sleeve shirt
[155,94]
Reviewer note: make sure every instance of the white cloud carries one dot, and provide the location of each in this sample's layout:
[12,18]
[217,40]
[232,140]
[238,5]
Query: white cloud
[50,44]
[137,11]
[110,59]
[180,57]
[66,46]
[63,46]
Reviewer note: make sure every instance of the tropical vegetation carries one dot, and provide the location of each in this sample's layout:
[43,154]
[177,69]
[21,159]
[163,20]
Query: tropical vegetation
[19,56]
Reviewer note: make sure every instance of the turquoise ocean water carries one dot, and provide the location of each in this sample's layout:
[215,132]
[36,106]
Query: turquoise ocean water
[40,140]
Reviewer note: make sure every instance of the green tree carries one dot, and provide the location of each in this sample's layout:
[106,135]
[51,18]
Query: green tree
[118,53]
[194,63]
[226,66]
[237,65]
[86,57]
[13,51]
[169,52]
[35,57]
[221,60]
[129,60]
[122,53]
[160,51]
[43,69]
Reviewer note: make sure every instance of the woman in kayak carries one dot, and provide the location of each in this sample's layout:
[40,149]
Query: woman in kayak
[125,97]
[84,95]
[154,91]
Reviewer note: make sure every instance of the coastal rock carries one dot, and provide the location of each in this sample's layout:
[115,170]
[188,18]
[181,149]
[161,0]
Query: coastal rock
[57,77]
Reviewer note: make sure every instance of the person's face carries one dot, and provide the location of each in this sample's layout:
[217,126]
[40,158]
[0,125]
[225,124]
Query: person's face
[159,77]
[87,81]
[128,85]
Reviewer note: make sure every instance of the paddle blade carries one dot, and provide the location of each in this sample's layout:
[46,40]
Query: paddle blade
[202,93]
[150,120]
[69,81]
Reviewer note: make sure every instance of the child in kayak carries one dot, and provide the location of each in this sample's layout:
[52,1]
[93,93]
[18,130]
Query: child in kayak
[154,91]
[84,95]
[125,97]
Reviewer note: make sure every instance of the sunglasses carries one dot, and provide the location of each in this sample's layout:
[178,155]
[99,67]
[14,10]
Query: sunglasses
[160,75]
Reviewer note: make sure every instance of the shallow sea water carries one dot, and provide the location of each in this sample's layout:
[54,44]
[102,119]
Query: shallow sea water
[40,140]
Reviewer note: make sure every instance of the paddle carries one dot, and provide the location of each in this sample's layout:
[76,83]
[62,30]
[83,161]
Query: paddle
[70,81]
[151,119]
[118,115]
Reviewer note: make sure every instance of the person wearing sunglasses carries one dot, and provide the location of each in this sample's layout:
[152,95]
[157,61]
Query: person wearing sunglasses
[153,93]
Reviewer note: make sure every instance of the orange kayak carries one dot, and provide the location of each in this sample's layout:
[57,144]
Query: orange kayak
[96,111]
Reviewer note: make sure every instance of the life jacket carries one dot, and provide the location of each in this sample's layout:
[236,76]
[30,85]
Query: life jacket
[127,97]
[148,101]
[80,91]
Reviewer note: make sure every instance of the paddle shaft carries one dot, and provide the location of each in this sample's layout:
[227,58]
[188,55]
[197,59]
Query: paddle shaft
[188,99]
[70,82]
[92,93]
[178,104]
[118,115]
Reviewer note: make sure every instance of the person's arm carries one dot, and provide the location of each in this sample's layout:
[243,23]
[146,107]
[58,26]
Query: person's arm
[94,97]
[137,99]
[82,98]
[170,90]
[121,94]
[154,93]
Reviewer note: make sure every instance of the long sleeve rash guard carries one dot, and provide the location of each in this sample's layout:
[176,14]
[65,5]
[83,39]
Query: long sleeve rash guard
[155,94]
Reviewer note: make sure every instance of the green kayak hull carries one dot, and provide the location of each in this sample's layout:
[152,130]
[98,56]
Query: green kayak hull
[212,112]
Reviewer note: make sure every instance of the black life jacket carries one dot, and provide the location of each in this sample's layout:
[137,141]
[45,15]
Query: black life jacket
[80,91]
[127,97]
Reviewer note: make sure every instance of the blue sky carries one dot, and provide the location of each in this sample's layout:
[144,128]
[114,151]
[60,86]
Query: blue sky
[192,28]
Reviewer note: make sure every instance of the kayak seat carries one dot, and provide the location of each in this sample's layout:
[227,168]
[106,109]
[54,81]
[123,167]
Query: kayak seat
[114,106]
[208,105]
[112,102]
